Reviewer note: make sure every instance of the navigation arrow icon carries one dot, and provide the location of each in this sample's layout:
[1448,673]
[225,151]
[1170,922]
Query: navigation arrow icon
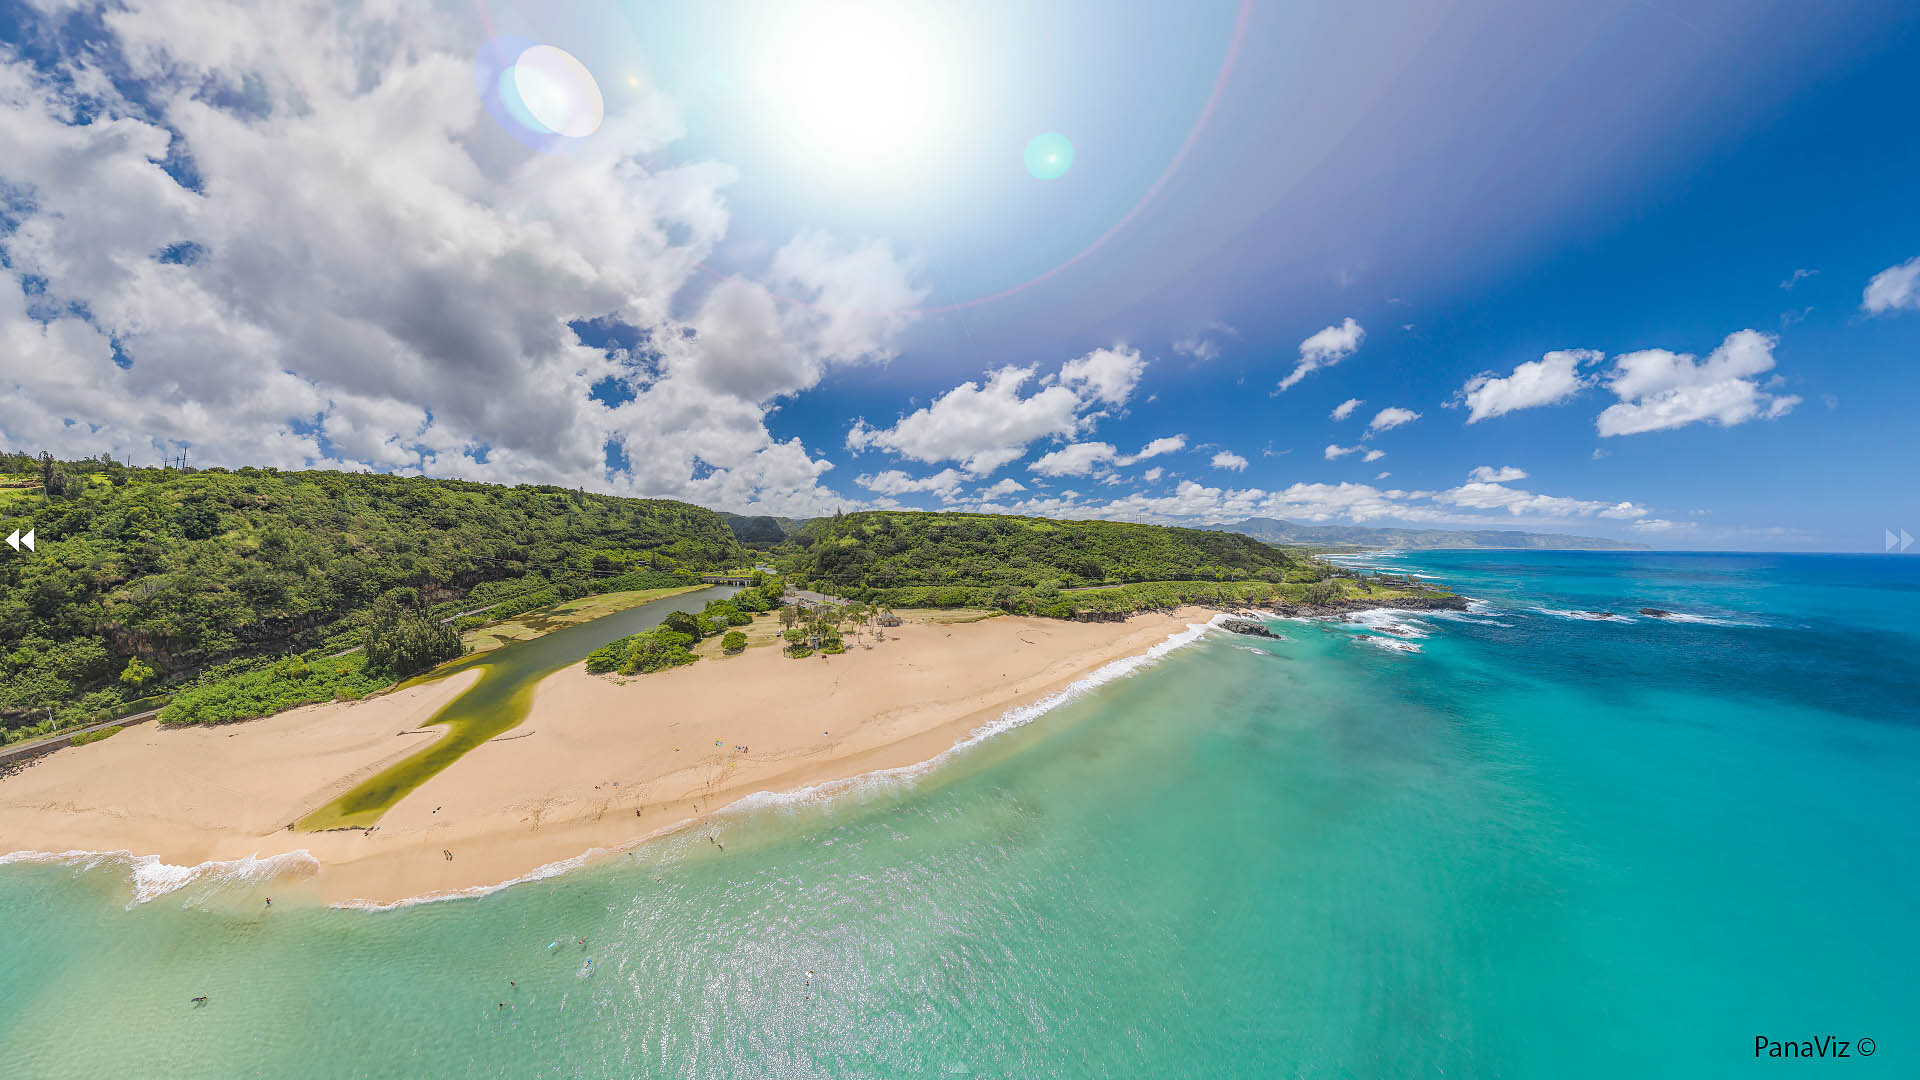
[28,540]
[14,541]
[1905,540]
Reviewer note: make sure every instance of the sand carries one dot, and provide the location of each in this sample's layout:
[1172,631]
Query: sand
[600,763]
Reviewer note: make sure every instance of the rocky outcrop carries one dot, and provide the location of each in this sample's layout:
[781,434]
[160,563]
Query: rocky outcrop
[1249,628]
[1656,613]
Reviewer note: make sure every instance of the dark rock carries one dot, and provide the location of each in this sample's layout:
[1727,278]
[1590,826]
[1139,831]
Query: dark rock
[1656,613]
[1248,627]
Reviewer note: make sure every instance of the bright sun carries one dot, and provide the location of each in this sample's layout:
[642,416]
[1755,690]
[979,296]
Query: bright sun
[860,93]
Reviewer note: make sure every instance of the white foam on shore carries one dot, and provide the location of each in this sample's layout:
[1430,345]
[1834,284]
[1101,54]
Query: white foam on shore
[880,781]
[153,878]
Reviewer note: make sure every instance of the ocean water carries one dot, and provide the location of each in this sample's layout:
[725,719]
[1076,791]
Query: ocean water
[1541,845]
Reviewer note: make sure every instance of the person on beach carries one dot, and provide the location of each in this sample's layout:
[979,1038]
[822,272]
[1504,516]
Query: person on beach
[201,1000]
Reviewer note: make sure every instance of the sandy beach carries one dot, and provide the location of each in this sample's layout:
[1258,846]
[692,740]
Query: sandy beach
[600,763]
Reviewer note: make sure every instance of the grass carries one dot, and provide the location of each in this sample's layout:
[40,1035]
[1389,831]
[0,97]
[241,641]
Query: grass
[948,616]
[763,630]
[532,624]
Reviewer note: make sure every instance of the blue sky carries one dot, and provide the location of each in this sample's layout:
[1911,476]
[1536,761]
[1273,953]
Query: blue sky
[1641,269]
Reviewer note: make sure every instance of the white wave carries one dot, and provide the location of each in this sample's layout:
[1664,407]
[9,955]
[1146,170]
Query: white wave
[1394,644]
[539,873]
[153,878]
[1704,620]
[1587,616]
[876,782]
[1387,621]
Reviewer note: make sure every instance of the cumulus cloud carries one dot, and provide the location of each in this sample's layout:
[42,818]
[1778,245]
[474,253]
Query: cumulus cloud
[945,483]
[1550,380]
[1200,347]
[1374,455]
[1107,376]
[1077,459]
[1506,474]
[1659,389]
[1153,475]
[1478,495]
[290,236]
[1335,451]
[1168,444]
[1227,459]
[983,426]
[1894,288]
[1392,417]
[1325,349]
[1007,486]
[1381,476]
[1345,408]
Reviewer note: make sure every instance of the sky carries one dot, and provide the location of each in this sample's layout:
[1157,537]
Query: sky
[1640,269]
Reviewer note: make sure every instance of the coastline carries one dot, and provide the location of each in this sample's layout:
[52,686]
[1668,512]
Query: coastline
[600,764]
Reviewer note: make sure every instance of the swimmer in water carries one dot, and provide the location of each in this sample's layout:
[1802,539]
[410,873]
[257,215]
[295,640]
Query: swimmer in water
[201,1000]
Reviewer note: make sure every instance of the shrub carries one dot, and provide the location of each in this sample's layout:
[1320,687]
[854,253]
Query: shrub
[86,737]
[734,642]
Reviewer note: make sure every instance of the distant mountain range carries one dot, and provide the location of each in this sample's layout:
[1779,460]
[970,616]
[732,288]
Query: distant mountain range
[1275,531]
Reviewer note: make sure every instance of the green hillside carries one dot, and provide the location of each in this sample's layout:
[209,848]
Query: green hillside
[1071,569]
[188,569]
[894,549]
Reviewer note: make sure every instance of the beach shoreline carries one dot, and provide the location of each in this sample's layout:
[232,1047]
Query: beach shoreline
[600,765]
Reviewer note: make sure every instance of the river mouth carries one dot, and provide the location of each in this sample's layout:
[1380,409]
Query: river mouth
[495,704]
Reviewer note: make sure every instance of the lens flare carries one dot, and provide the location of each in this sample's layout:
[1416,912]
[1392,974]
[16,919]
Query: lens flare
[1049,156]
[558,91]
[540,94]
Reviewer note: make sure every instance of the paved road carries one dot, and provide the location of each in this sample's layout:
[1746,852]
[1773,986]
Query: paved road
[50,743]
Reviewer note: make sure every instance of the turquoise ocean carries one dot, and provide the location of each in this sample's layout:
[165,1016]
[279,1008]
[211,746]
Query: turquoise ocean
[1541,845]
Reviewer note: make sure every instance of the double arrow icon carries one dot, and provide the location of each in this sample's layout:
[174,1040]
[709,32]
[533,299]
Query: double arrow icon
[1903,541]
[16,540]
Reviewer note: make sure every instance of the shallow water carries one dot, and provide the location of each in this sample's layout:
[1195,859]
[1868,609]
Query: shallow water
[496,703]
[1541,846]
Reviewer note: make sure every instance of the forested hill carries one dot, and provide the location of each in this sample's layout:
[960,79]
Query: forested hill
[1275,531]
[887,549]
[184,569]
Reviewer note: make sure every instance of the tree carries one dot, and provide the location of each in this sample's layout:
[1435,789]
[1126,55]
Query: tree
[403,641]
[681,622]
[734,641]
[136,673]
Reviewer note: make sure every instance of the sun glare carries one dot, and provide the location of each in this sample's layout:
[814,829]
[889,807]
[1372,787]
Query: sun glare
[859,91]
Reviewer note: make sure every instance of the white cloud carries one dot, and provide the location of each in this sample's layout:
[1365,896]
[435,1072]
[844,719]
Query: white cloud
[384,280]
[1227,459]
[1007,486]
[1153,475]
[1345,408]
[1374,455]
[1325,349]
[984,426]
[1077,459]
[1488,496]
[980,426]
[1381,476]
[1200,347]
[945,483]
[1391,417]
[1660,525]
[1335,451]
[1104,375]
[1797,277]
[1165,445]
[1506,474]
[1659,389]
[1550,380]
[1894,288]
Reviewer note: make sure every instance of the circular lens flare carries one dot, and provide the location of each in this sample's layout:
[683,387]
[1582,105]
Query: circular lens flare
[558,91]
[1049,156]
[540,94]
